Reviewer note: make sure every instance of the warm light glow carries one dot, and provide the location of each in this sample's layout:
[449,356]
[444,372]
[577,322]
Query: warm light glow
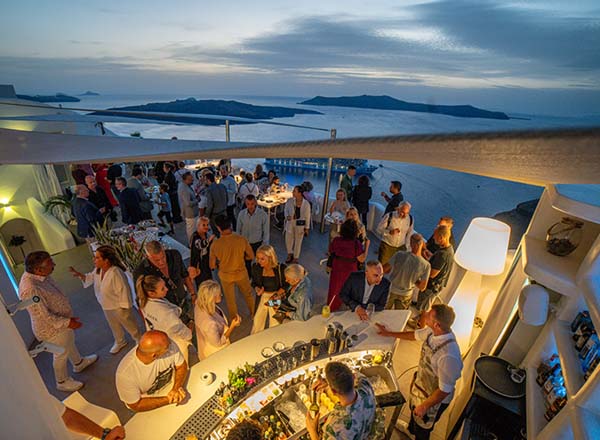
[4,201]
[484,246]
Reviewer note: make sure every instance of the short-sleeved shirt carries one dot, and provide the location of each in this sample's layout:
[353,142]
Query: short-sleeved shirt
[353,422]
[442,260]
[177,274]
[166,201]
[230,251]
[135,380]
[407,270]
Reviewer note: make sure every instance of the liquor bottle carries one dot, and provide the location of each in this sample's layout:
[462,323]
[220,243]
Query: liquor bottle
[593,364]
[583,334]
[559,392]
[591,344]
[554,381]
[547,368]
[581,317]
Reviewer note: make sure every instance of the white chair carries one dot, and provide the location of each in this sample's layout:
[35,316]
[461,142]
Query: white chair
[102,416]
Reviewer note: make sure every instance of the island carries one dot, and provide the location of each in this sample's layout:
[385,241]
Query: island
[90,93]
[388,103]
[59,97]
[208,107]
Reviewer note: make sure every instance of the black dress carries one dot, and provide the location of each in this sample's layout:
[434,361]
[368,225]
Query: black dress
[200,249]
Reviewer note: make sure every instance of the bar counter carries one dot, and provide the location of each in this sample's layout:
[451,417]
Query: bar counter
[163,423]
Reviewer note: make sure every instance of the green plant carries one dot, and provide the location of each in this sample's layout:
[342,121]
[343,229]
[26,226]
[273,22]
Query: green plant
[130,252]
[59,207]
[17,241]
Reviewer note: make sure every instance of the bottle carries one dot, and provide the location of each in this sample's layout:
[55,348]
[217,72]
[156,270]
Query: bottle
[549,368]
[585,332]
[554,381]
[581,317]
[559,392]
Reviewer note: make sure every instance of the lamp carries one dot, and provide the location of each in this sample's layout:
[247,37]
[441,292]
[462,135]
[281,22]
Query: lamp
[534,303]
[482,251]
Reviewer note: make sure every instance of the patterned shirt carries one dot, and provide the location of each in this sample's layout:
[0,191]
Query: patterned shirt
[52,314]
[353,422]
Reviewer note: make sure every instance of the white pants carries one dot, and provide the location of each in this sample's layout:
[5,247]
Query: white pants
[190,227]
[260,317]
[66,339]
[293,239]
[122,318]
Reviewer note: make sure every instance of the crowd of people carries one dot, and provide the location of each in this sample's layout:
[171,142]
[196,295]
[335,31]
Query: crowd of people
[182,306]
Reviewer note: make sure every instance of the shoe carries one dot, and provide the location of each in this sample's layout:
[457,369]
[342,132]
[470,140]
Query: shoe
[69,385]
[402,426]
[289,259]
[85,362]
[295,261]
[117,347]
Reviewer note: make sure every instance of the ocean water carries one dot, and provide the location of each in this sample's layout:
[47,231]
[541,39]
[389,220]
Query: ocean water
[433,192]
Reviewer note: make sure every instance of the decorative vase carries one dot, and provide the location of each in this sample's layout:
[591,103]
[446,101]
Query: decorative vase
[563,237]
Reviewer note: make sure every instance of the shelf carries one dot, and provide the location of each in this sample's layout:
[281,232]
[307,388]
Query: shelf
[556,273]
[535,405]
[577,200]
[586,424]
[559,427]
[569,361]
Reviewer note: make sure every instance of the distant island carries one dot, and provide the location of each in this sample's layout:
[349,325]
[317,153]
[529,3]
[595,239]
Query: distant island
[59,97]
[389,103]
[90,93]
[210,107]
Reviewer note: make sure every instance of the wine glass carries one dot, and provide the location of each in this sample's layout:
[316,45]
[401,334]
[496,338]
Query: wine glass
[370,310]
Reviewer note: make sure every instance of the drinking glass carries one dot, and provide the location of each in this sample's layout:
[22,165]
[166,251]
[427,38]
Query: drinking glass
[326,311]
[370,310]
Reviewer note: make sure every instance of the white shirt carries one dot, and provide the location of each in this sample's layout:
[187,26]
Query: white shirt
[446,362]
[112,291]
[254,227]
[164,316]
[247,189]
[231,187]
[135,380]
[368,290]
[402,238]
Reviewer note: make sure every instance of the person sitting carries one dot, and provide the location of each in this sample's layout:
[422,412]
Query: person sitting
[354,416]
[201,241]
[160,314]
[247,429]
[152,374]
[361,195]
[212,328]
[364,288]
[431,247]
[297,215]
[299,294]
[395,230]
[268,280]
[394,201]
[129,202]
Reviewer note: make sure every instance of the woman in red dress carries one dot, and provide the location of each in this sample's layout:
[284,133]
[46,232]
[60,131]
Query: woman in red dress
[347,251]
[102,180]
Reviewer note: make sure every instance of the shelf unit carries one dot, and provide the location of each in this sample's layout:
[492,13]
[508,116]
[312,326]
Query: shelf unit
[577,278]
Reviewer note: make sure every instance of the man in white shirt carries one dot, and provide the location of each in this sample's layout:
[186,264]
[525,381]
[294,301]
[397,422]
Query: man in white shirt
[253,223]
[231,187]
[395,229]
[440,366]
[152,374]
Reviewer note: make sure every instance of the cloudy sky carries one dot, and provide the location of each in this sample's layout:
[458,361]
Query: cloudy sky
[531,55]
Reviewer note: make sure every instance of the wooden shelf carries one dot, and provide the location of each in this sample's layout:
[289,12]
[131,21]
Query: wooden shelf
[569,361]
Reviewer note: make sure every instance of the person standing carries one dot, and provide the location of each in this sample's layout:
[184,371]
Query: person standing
[297,224]
[129,202]
[52,318]
[188,204]
[105,184]
[395,230]
[98,197]
[164,201]
[229,183]
[229,253]
[201,241]
[113,293]
[394,200]
[361,195]
[86,213]
[408,270]
[431,247]
[170,180]
[253,224]
[216,200]
[440,366]
[247,187]
[135,183]
[114,170]
[346,182]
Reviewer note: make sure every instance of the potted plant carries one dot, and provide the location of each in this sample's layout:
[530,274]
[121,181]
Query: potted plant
[18,241]
[61,208]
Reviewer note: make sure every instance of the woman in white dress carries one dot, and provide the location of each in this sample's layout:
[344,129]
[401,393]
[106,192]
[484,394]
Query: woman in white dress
[297,223]
[160,314]
[113,293]
[212,328]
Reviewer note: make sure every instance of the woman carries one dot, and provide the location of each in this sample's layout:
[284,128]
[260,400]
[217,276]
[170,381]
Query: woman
[352,214]
[249,187]
[113,293]
[201,240]
[297,223]
[299,293]
[340,204]
[268,280]
[347,251]
[212,329]
[361,194]
[160,314]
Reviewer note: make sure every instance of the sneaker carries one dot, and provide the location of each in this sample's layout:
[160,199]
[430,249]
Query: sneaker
[69,385]
[85,362]
[117,347]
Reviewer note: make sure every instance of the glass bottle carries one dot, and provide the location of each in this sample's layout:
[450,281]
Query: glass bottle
[563,237]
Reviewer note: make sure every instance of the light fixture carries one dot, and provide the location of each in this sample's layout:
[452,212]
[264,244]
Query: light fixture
[4,202]
[482,251]
[534,303]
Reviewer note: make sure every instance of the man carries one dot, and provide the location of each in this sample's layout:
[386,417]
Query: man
[98,196]
[395,199]
[79,423]
[440,366]
[114,170]
[229,183]
[253,224]
[354,416]
[441,266]
[129,202]
[87,214]
[168,265]
[247,429]
[229,253]
[171,180]
[430,248]
[408,270]
[188,204]
[152,374]
[395,230]
[181,170]
[364,288]
[216,200]
[135,183]
[52,318]
[346,182]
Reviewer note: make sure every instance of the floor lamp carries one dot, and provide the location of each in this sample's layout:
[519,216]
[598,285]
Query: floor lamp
[482,251]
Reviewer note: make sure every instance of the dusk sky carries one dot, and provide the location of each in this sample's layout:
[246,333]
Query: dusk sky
[519,56]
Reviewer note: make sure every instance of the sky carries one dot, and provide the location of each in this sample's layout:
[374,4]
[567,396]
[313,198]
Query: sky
[535,56]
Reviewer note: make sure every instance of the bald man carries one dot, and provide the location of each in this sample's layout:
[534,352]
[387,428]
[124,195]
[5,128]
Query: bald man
[87,214]
[152,374]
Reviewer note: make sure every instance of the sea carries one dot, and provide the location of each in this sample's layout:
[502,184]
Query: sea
[433,192]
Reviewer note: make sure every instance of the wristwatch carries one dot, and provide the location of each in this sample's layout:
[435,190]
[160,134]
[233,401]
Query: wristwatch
[105,432]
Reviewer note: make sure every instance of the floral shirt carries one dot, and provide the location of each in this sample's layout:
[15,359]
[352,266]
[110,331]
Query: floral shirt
[52,314]
[353,422]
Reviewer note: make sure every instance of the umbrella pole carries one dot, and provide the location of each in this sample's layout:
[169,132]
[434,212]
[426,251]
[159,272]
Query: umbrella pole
[327,185]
